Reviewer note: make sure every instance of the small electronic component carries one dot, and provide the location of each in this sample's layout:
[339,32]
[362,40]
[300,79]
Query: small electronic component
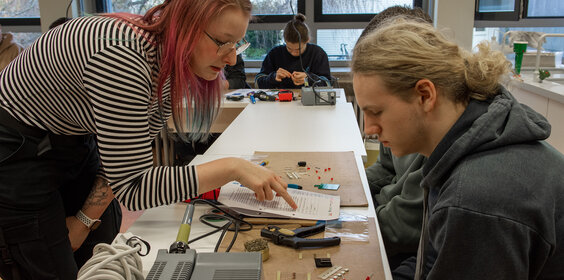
[327,273]
[322,262]
[294,186]
[234,97]
[301,163]
[263,96]
[285,95]
[258,245]
[332,187]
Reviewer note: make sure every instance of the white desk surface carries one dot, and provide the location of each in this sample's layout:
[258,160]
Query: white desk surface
[291,127]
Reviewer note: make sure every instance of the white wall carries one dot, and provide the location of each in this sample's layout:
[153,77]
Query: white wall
[54,9]
[456,17]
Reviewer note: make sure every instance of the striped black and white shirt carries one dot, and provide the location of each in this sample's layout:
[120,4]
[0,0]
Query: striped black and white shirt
[98,75]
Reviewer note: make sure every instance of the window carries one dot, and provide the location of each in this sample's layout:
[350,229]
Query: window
[545,8]
[510,10]
[355,10]
[131,6]
[487,6]
[261,42]
[497,9]
[269,7]
[553,45]
[338,43]
[263,10]
[270,17]
[271,11]
[19,8]
[21,15]
[538,16]
[19,12]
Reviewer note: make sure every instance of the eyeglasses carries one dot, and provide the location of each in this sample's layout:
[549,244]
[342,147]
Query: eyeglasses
[225,48]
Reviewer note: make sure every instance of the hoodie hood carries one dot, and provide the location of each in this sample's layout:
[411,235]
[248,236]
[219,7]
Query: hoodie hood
[484,125]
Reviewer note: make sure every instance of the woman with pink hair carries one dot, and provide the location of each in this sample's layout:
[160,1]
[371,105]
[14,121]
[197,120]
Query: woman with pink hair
[79,110]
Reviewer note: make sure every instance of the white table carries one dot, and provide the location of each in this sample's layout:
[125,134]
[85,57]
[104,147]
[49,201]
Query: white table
[291,127]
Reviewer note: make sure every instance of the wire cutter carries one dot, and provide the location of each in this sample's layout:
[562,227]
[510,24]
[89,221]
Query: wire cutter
[294,238]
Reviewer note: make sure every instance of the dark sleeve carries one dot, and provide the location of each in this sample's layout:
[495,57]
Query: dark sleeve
[320,65]
[406,270]
[235,74]
[400,210]
[266,78]
[473,245]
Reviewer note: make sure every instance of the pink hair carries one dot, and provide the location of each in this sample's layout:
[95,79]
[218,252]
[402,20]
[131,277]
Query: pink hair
[178,25]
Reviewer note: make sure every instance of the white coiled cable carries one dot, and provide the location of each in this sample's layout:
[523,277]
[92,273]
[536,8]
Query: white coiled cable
[117,261]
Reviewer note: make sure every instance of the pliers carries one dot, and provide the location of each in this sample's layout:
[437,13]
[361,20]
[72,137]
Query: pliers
[294,238]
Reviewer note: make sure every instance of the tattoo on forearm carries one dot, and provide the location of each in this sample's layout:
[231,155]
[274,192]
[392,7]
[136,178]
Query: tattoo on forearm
[99,194]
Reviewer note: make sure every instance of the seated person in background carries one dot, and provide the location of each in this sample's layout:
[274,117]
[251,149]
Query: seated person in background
[235,75]
[394,181]
[8,49]
[493,187]
[289,65]
[398,197]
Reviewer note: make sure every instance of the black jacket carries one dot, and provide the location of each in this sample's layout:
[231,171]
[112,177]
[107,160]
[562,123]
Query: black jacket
[315,64]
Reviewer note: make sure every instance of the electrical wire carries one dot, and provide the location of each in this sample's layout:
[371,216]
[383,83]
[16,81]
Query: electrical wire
[122,260]
[68,7]
[116,261]
[233,224]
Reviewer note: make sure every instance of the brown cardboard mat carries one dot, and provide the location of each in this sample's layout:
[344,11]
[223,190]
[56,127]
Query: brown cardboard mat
[361,257]
[321,167]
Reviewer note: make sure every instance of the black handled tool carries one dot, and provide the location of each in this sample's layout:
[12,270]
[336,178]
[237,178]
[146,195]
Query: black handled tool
[295,238]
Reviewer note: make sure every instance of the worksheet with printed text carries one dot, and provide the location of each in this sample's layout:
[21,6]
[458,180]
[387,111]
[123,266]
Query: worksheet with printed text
[311,205]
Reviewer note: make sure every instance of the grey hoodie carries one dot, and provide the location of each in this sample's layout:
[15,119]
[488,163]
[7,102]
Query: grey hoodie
[496,197]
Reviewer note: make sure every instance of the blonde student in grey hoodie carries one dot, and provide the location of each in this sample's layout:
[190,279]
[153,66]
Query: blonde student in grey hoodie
[394,181]
[493,188]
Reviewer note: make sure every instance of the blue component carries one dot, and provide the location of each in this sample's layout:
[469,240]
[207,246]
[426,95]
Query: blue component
[294,186]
